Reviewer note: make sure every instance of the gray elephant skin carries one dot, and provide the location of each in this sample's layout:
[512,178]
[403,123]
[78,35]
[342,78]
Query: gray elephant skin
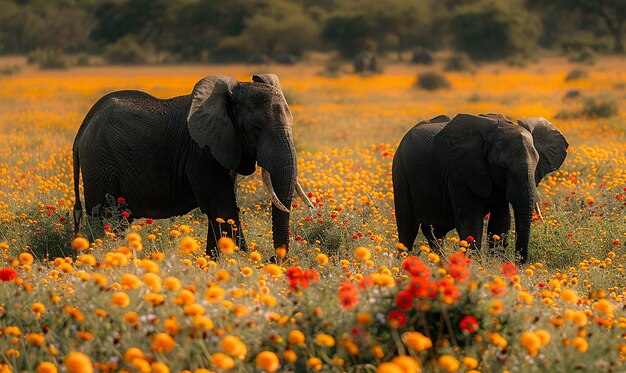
[169,156]
[451,173]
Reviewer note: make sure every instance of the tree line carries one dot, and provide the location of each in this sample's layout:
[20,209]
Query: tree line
[138,31]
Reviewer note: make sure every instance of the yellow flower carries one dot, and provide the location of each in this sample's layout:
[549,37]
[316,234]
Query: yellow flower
[605,306]
[496,307]
[497,340]
[577,317]
[38,308]
[268,361]
[77,362]
[214,294]
[153,281]
[159,367]
[222,361]
[417,341]
[470,362]
[172,283]
[131,317]
[325,340]
[194,310]
[531,342]
[130,281]
[171,325]
[162,342]
[141,365]
[363,253]
[46,367]
[80,243]
[526,297]
[133,353]
[36,339]
[274,270]
[246,271]
[226,245]
[234,346]
[120,299]
[407,363]
[322,259]
[544,336]
[580,344]
[389,368]
[188,245]
[174,233]
[569,296]
[256,256]
[296,337]
[26,258]
[290,355]
[449,363]
[222,275]
[315,364]
[363,318]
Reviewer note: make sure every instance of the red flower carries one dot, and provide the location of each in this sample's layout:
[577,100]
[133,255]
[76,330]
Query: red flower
[121,200]
[459,258]
[459,273]
[149,220]
[107,227]
[348,295]
[416,267]
[404,300]
[7,274]
[366,283]
[396,319]
[312,275]
[469,324]
[470,239]
[508,269]
[125,214]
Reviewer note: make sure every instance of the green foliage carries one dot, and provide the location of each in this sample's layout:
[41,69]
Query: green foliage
[459,61]
[585,55]
[49,59]
[576,74]
[599,108]
[494,29]
[127,51]
[432,81]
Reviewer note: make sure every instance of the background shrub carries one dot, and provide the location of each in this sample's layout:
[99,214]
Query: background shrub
[599,108]
[459,61]
[576,74]
[49,59]
[127,51]
[432,81]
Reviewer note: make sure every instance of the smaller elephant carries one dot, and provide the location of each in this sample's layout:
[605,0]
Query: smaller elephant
[365,62]
[451,173]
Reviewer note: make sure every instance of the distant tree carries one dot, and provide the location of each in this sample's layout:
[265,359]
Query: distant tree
[494,29]
[280,27]
[611,12]
[394,25]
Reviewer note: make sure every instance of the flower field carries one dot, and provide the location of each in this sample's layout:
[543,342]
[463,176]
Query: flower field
[346,297]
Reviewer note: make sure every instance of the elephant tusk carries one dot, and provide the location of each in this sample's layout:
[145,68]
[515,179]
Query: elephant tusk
[538,211]
[303,195]
[267,181]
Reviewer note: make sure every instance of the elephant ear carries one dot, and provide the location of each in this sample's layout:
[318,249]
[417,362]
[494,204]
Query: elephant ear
[438,119]
[270,79]
[209,121]
[460,147]
[549,143]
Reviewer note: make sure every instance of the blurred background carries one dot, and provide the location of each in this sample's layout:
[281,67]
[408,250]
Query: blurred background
[63,33]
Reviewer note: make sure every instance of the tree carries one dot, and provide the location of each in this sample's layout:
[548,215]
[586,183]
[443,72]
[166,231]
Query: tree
[612,12]
[494,29]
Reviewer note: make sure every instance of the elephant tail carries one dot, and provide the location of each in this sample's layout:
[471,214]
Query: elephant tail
[78,207]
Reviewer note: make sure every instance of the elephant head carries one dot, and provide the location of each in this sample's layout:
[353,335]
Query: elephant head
[244,123]
[488,151]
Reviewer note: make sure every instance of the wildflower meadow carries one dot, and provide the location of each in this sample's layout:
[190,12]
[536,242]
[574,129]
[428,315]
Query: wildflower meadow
[346,297]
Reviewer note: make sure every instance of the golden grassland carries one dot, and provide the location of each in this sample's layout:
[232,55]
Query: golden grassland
[150,301]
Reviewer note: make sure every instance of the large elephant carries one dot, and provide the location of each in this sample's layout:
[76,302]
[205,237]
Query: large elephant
[450,173]
[167,157]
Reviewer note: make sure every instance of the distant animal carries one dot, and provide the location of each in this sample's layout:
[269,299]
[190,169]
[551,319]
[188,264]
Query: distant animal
[571,94]
[259,59]
[286,59]
[451,173]
[423,57]
[169,156]
[365,62]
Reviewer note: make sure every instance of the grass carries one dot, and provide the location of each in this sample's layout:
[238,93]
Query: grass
[569,298]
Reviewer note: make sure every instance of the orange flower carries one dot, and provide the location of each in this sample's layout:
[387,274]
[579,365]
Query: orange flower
[77,362]
[268,361]
[222,361]
[80,243]
[46,367]
[226,245]
[162,342]
[234,346]
[120,299]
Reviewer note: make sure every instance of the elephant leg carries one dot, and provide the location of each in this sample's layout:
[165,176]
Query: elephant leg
[499,224]
[218,202]
[408,225]
[435,235]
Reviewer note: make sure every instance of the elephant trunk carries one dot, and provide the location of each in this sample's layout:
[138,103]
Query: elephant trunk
[522,197]
[280,177]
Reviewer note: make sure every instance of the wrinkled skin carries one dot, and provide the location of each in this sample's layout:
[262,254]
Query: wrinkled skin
[167,157]
[451,173]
